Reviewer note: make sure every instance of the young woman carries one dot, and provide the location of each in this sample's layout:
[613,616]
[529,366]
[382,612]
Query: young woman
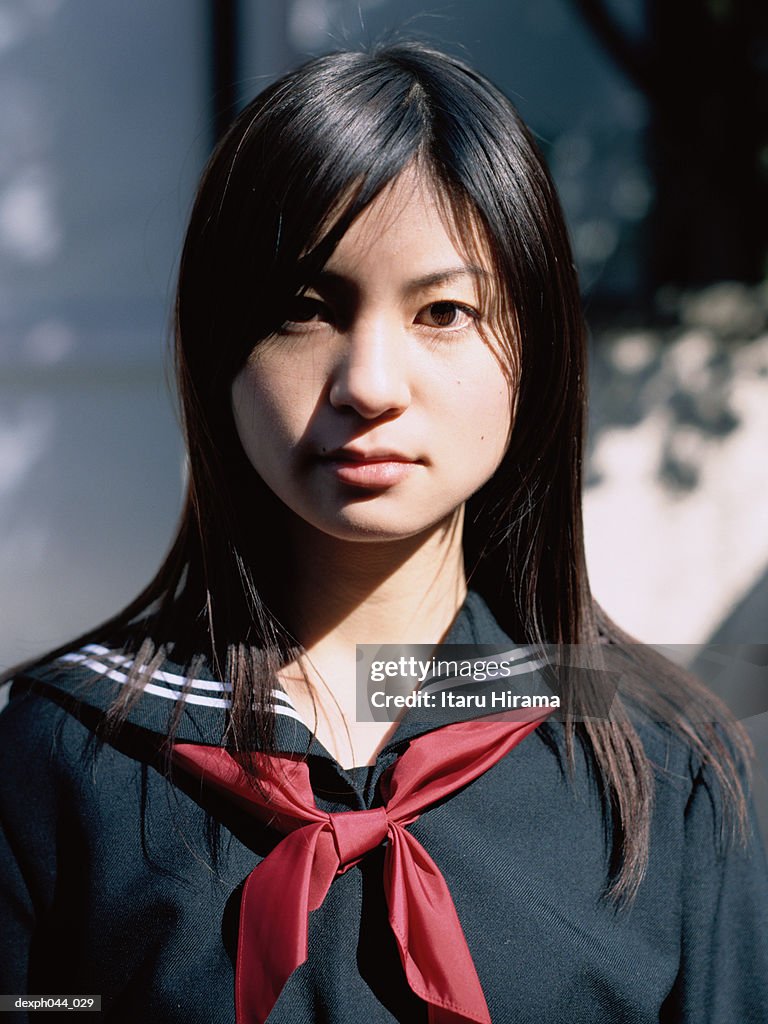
[380,355]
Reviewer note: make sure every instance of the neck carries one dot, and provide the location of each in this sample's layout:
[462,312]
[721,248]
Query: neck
[345,593]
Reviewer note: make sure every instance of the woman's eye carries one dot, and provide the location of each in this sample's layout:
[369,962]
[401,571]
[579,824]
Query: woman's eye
[451,315]
[305,310]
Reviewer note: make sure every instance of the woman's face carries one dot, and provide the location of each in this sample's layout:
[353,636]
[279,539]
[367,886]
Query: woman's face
[379,408]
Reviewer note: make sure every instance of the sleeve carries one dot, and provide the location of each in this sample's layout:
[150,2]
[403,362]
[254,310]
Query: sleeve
[16,919]
[27,838]
[723,977]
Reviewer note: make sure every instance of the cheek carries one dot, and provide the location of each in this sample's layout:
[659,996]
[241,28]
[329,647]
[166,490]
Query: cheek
[483,416]
[266,406]
[259,419]
[494,414]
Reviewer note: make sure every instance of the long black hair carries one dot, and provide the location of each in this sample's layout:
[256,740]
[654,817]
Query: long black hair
[283,186]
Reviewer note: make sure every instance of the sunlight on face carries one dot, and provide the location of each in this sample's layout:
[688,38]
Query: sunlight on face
[380,406]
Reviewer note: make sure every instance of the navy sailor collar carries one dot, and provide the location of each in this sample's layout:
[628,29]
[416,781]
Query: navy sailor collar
[94,676]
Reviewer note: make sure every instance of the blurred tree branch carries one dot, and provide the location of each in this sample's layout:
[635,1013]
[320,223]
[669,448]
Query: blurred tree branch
[631,55]
[703,67]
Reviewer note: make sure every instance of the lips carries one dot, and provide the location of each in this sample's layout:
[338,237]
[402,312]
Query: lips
[372,469]
[374,455]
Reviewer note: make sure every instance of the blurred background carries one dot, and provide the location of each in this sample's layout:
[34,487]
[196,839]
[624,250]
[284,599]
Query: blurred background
[654,119]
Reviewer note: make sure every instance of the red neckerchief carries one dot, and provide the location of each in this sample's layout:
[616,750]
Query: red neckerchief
[293,880]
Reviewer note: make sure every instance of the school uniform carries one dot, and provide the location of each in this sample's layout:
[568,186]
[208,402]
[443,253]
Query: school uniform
[115,882]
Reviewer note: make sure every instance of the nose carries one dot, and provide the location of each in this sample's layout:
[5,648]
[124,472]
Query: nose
[371,373]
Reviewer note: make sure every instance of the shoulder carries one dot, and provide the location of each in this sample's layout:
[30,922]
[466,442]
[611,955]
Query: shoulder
[676,764]
[700,779]
[44,771]
[703,799]
[690,738]
[58,765]
[45,741]
[30,724]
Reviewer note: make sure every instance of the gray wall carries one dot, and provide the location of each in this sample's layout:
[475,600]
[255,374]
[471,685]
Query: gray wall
[103,130]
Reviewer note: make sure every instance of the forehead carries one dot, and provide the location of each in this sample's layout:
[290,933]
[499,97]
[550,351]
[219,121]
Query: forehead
[413,222]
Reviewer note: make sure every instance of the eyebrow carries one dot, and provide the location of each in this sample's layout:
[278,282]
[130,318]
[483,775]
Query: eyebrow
[444,276]
[418,284]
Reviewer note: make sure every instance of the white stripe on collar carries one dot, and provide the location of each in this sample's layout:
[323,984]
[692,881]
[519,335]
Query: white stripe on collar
[281,701]
[528,661]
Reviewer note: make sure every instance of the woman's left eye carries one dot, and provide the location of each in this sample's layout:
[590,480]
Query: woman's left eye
[447,315]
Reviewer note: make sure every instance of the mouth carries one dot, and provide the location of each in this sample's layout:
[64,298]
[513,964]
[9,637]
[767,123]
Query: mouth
[375,469]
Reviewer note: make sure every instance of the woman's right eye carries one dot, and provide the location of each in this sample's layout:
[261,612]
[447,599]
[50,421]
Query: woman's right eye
[304,310]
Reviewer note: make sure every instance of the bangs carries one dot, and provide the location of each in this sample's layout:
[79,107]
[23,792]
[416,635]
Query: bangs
[306,159]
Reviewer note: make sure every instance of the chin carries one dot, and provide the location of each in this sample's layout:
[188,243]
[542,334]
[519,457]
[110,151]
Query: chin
[372,529]
[362,524]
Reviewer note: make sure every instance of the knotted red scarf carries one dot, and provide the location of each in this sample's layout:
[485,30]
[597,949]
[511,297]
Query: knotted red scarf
[295,877]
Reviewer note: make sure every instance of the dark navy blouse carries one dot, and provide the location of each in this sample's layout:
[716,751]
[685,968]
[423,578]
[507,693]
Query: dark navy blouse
[116,883]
